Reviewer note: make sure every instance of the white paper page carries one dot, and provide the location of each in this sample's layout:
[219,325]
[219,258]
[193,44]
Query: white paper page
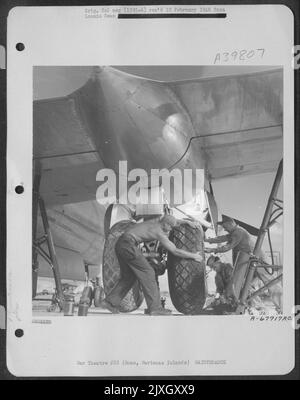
[239,56]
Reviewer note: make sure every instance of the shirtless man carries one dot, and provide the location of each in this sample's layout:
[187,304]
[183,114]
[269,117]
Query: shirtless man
[133,264]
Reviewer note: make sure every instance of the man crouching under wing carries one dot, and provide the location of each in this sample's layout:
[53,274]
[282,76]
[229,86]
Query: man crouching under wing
[133,264]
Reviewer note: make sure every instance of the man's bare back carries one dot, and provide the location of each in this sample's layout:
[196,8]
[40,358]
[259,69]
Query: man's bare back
[160,230]
[133,263]
[146,231]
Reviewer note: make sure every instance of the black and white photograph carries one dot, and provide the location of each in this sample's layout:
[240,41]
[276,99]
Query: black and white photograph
[150,191]
[157,190]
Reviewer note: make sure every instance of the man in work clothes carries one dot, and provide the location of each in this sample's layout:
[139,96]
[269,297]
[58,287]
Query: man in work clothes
[134,265]
[239,240]
[223,278]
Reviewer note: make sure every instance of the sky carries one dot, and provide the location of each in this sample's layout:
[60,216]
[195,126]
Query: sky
[246,199]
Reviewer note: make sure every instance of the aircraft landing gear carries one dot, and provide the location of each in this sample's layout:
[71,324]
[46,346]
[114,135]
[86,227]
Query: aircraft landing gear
[38,245]
[273,211]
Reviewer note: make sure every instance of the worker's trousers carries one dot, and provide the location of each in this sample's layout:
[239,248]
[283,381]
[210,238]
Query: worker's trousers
[134,266]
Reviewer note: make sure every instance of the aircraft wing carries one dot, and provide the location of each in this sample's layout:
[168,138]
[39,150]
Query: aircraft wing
[238,119]
[117,116]
[64,148]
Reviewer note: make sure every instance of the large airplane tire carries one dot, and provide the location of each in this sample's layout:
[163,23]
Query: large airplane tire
[111,269]
[187,278]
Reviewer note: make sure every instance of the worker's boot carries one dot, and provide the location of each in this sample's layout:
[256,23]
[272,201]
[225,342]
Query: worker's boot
[159,311]
[108,306]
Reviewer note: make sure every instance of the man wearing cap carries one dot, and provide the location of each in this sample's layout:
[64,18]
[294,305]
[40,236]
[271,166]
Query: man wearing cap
[223,278]
[134,265]
[238,239]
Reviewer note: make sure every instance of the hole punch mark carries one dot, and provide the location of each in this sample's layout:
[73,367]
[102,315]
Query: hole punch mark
[20,46]
[19,189]
[19,333]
